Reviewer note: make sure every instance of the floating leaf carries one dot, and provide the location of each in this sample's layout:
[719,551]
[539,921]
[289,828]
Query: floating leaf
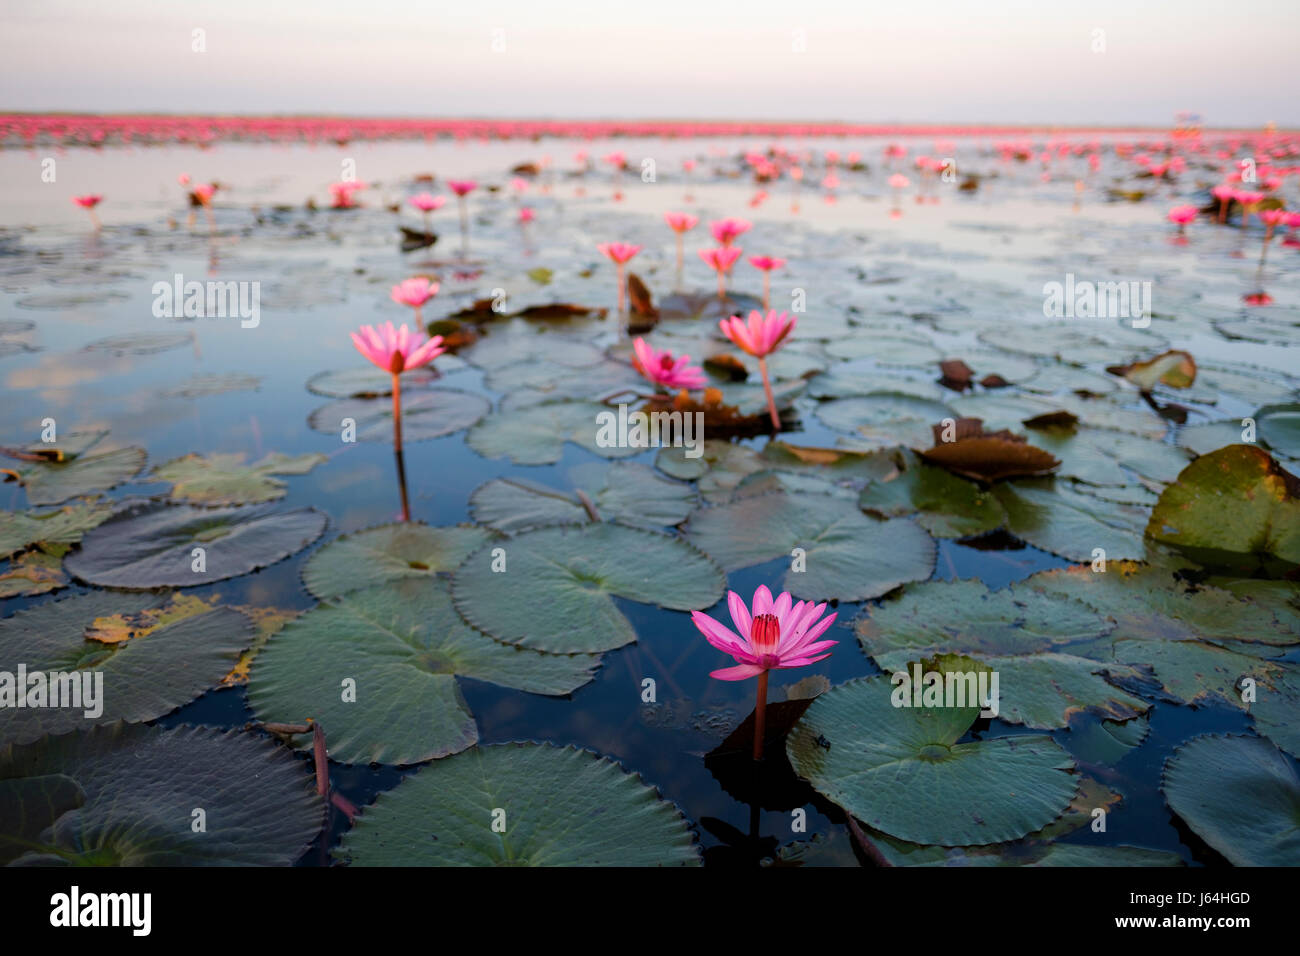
[1239,795]
[78,474]
[880,414]
[985,456]
[1104,743]
[1050,516]
[1235,507]
[135,793]
[1176,369]
[1279,427]
[536,435]
[901,769]
[150,544]
[369,382]
[32,573]
[141,343]
[848,556]
[624,492]
[388,554]
[1276,710]
[558,591]
[426,414]
[562,807]
[18,529]
[155,671]
[226,480]
[404,646]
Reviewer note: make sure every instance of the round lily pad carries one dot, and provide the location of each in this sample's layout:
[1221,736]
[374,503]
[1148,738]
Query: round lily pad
[1238,794]
[1279,427]
[846,555]
[552,806]
[141,343]
[1235,508]
[18,529]
[1276,709]
[553,589]
[901,769]
[226,480]
[536,435]
[366,381]
[129,795]
[426,414]
[1049,515]
[625,492]
[152,545]
[54,482]
[137,679]
[387,554]
[402,646]
[945,505]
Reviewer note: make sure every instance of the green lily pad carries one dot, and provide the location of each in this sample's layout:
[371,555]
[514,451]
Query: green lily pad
[78,474]
[1235,508]
[366,381]
[142,678]
[556,592]
[427,414]
[1203,438]
[226,480]
[1239,795]
[1150,603]
[1104,743]
[522,343]
[847,556]
[141,343]
[623,492]
[904,350]
[945,505]
[1276,710]
[555,806]
[151,544]
[126,795]
[877,414]
[18,529]
[31,573]
[1049,515]
[1190,672]
[404,646]
[965,617]
[901,770]
[536,435]
[718,471]
[1095,455]
[1279,427]
[388,554]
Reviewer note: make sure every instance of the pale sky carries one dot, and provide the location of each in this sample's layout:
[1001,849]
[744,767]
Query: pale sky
[964,61]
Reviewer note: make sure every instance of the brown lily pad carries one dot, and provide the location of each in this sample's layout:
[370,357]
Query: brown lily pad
[987,456]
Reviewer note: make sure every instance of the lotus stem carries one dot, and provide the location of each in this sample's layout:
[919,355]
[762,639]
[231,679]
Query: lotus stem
[767,390]
[397,412]
[760,715]
[767,290]
[622,291]
[401,485]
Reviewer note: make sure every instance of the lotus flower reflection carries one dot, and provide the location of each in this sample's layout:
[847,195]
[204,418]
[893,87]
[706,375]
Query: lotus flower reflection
[776,635]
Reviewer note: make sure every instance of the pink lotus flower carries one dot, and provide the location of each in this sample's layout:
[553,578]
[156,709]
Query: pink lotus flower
[778,635]
[662,369]
[204,192]
[462,187]
[89,203]
[899,181]
[397,350]
[721,260]
[1182,215]
[414,292]
[766,264]
[620,253]
[725,231]
[183,179]
[526,214]
[681,222]
[760,338]
[427,202]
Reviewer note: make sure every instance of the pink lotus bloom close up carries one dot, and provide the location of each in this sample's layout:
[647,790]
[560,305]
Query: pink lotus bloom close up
[778,634]
[462,187]
[899,181]
[662,369]
[619,252]
[414,292]
[725,231]
[681,221]
[526,214]
[88,202]
[721,259]
[1182,215]
[204,192]
[766,263]
[397,349]
[762,335]
[427,202]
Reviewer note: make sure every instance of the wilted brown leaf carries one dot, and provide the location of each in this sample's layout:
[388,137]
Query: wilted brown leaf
[986,456]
